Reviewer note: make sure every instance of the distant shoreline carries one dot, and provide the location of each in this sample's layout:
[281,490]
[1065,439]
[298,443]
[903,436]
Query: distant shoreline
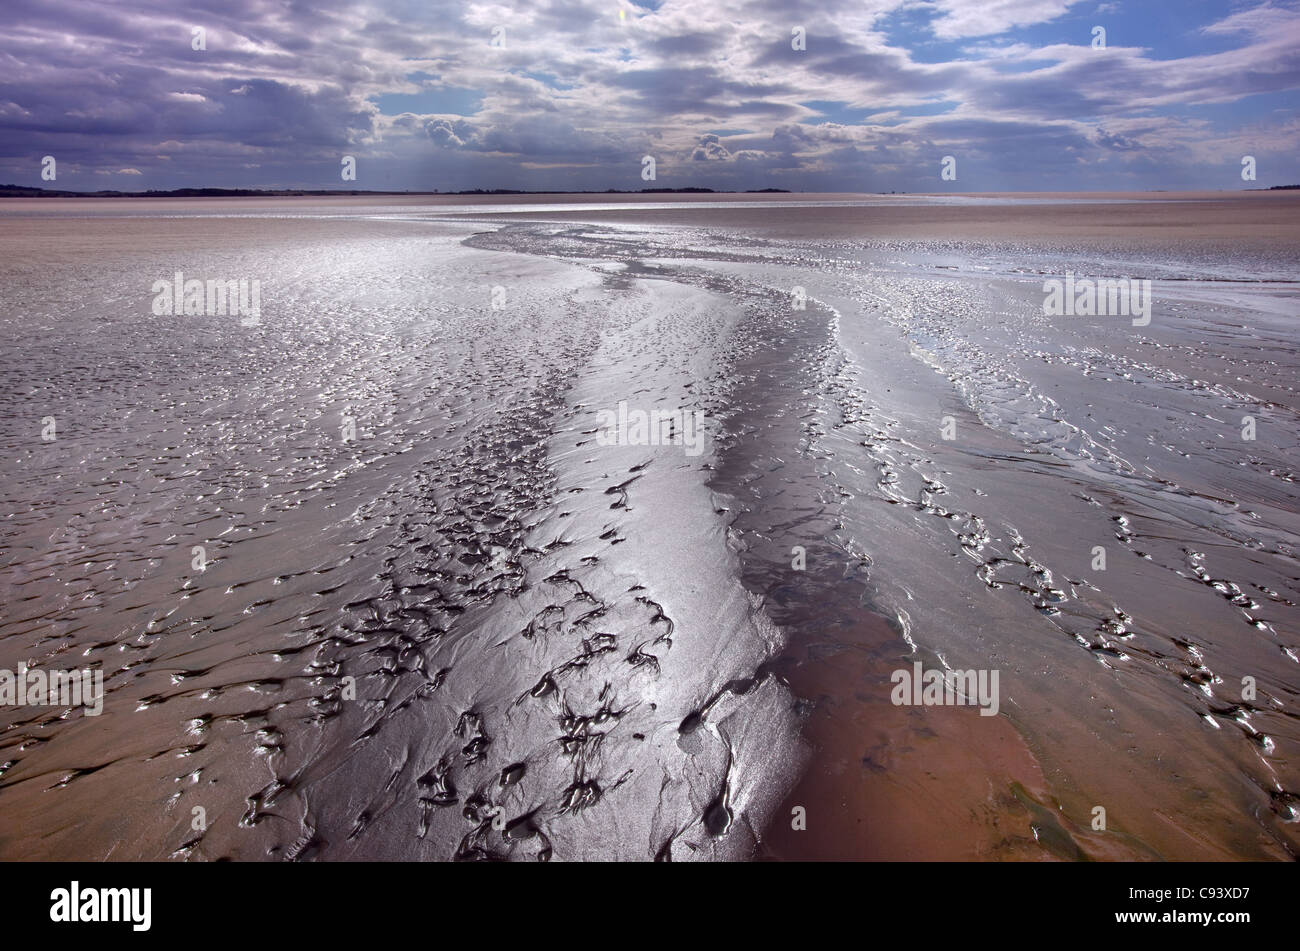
[26,191]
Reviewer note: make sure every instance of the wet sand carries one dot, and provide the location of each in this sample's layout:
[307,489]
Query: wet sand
[606,649]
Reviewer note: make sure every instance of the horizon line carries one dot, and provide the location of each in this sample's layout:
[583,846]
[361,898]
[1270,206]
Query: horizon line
[35,191]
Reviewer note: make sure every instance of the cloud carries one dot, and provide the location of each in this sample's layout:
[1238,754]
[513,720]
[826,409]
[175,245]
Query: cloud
[962,18]
[1119,143]
[1260,22]
[710,149]
[577,95]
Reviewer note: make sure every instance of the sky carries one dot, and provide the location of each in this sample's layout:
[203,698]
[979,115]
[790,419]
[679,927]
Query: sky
[1022,95]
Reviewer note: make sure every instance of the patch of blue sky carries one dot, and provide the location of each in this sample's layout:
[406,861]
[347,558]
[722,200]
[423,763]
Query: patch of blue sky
[548,79]
[443,100]
[930,108]
[1240,112]
[1167,31]
[829,111]
[909,28]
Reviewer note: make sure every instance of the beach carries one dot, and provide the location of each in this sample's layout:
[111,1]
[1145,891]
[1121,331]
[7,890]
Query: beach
[398,567]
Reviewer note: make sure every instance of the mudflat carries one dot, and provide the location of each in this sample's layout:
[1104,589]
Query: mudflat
[373,577]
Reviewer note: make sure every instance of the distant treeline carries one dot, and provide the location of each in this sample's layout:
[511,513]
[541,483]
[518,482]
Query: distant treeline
[23,191]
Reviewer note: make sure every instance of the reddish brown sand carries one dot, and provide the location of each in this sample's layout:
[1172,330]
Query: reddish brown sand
[1258,217]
